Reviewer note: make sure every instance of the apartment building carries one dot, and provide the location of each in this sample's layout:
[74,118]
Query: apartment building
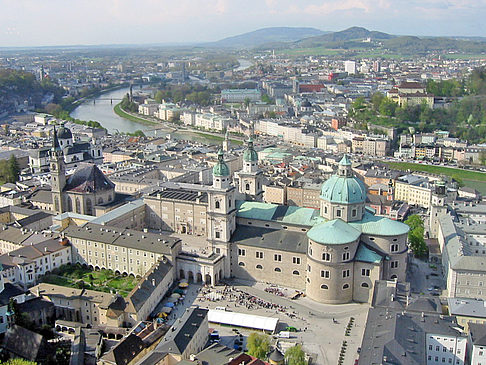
[125,251]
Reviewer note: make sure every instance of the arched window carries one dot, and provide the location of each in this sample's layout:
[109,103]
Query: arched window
[216,205]
[69,204]
[78,206]
[89,207]
[247,186]
[345,286]
[100,200]
[365,285]
[277,269]
[259,267]
[324,286]
[326,256]
[393,277]
[295,272]
[241,264]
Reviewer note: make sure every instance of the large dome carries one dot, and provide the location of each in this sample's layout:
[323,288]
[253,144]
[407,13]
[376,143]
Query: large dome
[335,232]
[344,188]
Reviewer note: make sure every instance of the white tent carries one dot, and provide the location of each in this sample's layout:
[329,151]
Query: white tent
[243,320]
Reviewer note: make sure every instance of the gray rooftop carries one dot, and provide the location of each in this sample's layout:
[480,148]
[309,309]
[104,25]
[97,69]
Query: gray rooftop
[151,242]
[283,240]
[467,307]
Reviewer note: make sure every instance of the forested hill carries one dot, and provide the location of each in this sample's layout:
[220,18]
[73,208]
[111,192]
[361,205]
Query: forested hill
[19,86]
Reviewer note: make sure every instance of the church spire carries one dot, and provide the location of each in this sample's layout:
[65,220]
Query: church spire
[55,141]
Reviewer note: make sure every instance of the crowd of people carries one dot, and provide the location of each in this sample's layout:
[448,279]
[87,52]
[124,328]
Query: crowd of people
[275,290]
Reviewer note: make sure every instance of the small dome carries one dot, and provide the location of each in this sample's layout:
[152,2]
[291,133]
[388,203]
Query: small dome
[335,232]
[344,187]
[250,154]
[221,168]
[64,133]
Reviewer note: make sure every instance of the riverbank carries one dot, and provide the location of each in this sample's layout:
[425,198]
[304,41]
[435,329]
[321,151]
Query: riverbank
[122,113]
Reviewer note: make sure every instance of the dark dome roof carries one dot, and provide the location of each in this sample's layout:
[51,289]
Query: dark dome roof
[88,178]
[64,133]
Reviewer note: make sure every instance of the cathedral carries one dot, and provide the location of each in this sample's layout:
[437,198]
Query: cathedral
[334,254]
[86,188]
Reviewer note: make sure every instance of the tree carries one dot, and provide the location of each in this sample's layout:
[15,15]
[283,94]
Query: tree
[258,345]
[416,240]
[247,102]
[295,355]
[414,221]
[13,169]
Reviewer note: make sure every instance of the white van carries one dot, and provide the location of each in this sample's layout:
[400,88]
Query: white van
[220,308]
[284,334]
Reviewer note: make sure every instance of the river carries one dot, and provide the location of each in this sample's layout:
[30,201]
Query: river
[100,109]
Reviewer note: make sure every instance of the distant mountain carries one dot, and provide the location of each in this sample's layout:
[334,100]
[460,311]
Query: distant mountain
[350,34]
[266,36]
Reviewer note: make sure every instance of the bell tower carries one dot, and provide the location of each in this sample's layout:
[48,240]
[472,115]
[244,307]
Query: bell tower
[250,179]
[58,174]
[221,211]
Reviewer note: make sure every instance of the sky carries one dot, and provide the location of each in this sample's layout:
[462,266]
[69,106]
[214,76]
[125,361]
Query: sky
[91,22]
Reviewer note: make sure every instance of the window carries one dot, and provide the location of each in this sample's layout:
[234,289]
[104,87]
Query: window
[365,272]
[241,264]
[247,187]
[277,269]
[325,274]
[346,273]
[308,268]
[354,213]
[365,285]
[345,256]
[437,348]
[345,286]
[241,252]
[326,256]
[394,264]
[218,234]
[394,248]
[277,257]
[217,205]
[324,286]
[430,347]
[295,272]
[296,260]
[259,267]
[259,254]
[444,349]
[338,212]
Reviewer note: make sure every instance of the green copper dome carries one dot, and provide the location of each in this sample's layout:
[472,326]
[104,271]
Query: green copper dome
[221,168]
[335,232]
[344,187]
[250,154]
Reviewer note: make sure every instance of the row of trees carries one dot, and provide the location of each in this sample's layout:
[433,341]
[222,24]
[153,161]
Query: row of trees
[258,345]
[416,239]
[128,105]
[197,94]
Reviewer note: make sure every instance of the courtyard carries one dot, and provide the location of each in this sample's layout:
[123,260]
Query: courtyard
[82,277]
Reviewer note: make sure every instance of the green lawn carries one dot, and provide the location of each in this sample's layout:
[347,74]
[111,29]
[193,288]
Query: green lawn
[103,280]
[473,179]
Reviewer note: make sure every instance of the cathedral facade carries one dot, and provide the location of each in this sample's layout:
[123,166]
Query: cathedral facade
[334,254]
